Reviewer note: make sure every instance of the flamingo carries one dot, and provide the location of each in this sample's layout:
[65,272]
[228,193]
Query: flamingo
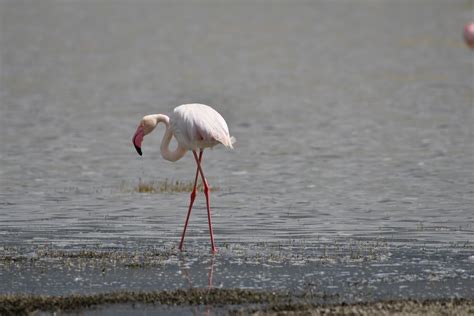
[469,34]
[195,127]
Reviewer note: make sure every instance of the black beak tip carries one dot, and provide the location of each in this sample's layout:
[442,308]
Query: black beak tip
[139,150]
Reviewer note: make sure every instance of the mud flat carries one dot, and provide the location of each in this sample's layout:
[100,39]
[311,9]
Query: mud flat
[223,301]
[401,307]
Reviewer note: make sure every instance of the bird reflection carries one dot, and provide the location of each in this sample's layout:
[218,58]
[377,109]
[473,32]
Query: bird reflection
[188,269]
[184,266]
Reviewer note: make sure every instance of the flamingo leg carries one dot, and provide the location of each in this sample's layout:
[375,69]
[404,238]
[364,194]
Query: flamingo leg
[193,196]
[206,192]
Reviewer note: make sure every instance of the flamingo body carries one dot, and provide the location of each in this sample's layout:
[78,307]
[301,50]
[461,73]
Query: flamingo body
[199,126]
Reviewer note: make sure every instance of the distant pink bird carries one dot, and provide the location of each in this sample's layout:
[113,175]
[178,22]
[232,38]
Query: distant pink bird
[195,126]
[469,34]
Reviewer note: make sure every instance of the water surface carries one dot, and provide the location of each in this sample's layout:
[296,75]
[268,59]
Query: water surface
[353,120]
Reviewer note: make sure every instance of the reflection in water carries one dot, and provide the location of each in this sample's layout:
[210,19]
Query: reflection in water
[184,265]
[188,272]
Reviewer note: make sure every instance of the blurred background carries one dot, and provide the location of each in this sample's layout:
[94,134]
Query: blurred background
[353,119]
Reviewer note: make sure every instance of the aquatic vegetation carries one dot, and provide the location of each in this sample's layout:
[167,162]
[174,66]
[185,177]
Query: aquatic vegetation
[303,274]
[11,304]
[393,307]
[269,302]
[291,252]
[165,186]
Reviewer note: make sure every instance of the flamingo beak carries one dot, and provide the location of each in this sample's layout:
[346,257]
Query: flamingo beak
[138,138]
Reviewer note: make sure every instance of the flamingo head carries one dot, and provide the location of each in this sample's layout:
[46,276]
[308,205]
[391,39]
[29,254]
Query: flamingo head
[146,126]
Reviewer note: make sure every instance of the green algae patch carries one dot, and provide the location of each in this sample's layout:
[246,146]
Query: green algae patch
[11,304]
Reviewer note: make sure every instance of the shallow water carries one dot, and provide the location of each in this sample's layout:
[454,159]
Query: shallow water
[354,122]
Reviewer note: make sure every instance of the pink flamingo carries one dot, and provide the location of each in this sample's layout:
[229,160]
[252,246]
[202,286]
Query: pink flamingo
[469,34]
[195,126]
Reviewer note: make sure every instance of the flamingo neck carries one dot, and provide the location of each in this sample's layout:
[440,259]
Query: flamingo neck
[167,154]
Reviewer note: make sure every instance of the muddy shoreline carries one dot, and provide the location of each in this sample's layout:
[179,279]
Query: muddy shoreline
[233,301]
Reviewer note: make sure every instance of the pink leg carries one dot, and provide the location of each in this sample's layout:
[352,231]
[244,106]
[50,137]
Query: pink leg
[206,192]
[193,196]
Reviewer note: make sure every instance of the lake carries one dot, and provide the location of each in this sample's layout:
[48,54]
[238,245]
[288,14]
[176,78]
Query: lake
[354,128]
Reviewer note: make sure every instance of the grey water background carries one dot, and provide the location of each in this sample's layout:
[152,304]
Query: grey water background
[353,120]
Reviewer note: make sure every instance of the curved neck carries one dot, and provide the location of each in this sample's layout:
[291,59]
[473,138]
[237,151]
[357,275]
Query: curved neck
[167,154]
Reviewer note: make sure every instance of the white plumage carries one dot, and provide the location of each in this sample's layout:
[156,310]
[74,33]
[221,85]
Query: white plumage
[199,126]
